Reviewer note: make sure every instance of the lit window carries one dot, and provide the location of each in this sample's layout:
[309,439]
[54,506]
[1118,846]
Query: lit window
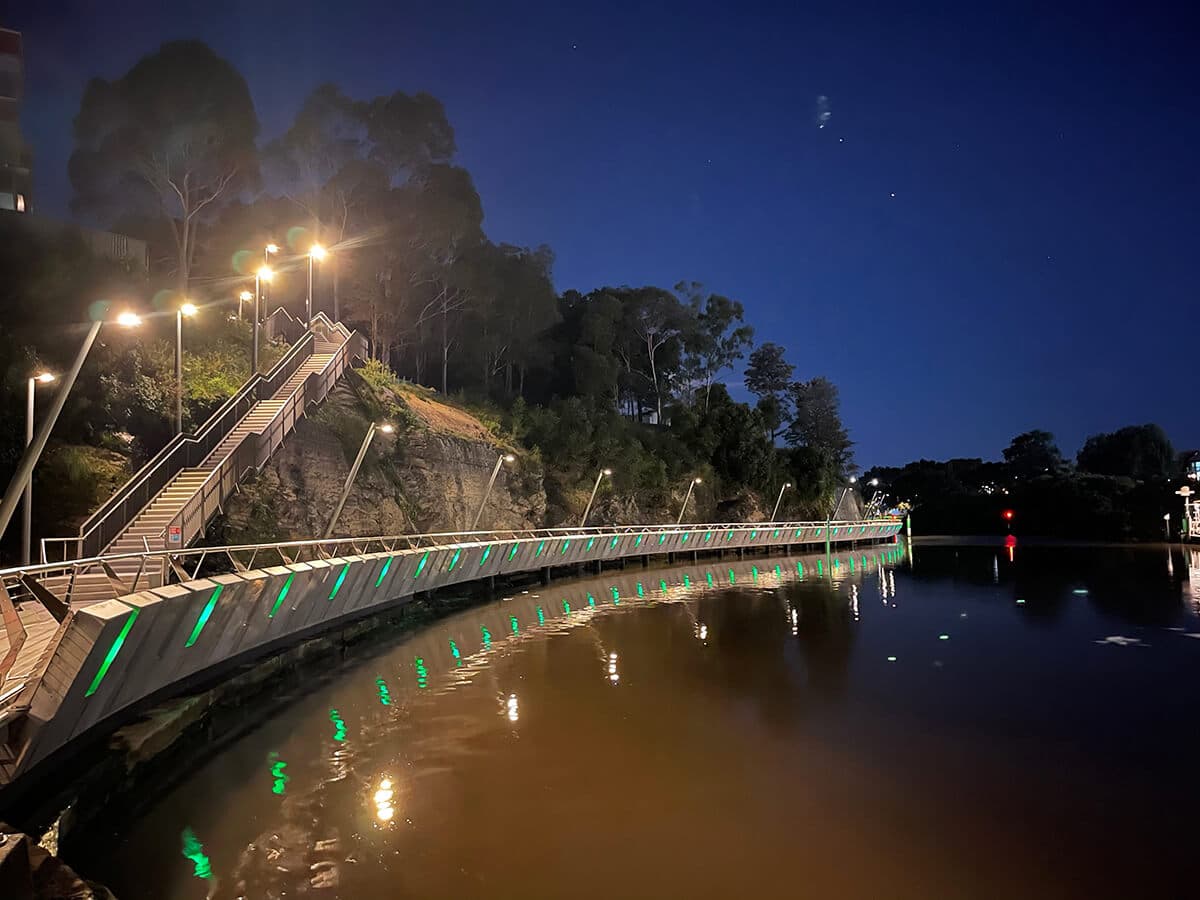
[20,203]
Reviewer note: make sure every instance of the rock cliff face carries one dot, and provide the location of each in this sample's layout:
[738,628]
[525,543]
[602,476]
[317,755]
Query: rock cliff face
[429,476]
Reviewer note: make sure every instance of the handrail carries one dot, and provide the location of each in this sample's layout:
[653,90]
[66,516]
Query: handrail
[438,539]
[256,448]
[96,532]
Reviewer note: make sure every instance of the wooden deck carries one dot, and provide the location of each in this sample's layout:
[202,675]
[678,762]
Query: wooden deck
[40,628]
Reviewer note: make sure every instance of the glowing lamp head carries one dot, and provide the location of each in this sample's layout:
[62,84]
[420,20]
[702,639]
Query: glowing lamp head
[1008,515]
[129,320]
[318,252]
[786,485]
[874,482]
[508,457]
[606,471]
[245,296]
[44,377]
[387,427]
[854,479]
[697,481]
[272,248]
[265,273]
[189,309]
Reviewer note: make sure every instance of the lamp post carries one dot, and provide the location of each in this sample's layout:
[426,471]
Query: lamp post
[189,310]
[874,482]
[24,470]
[500,460]
[1186,493]
[243,297]
[595,487]
[686,498]
[268,251]
[261,277]
[779,499]
[386,428]
[315,253]
[27,503]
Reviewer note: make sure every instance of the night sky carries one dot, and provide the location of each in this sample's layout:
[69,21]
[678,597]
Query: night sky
[995,230]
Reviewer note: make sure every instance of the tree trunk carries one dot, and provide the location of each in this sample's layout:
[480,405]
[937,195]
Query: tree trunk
[445,346]
[336,278]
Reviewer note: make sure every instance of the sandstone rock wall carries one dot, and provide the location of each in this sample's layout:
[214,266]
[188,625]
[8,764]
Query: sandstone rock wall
[429,476]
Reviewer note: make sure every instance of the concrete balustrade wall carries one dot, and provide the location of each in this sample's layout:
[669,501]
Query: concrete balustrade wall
[113,655]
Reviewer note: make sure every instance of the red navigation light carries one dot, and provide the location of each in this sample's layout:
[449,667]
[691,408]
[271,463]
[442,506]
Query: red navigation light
[1010,541]
[1008,515]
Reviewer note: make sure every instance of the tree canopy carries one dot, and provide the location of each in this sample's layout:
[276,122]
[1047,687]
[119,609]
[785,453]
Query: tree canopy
[167,144]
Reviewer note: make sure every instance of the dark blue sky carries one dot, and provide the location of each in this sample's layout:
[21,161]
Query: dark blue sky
[1036,268]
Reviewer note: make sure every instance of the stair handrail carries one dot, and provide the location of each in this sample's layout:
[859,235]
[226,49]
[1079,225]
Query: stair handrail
[97,531]
[252,451]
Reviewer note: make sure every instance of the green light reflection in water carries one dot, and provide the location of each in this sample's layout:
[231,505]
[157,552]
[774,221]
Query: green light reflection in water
[194,850]
[279,777]
[385,696]
[339,725]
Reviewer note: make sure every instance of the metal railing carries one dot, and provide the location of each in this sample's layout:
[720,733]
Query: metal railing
[189,450]
[256,448]
[187,563]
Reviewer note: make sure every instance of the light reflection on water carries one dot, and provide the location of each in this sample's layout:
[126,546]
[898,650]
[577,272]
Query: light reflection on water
[959,728]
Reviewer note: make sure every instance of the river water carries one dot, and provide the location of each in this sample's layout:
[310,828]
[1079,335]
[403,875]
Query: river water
[943,723]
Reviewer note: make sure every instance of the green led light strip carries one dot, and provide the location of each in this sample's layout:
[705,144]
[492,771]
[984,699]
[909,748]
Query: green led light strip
[382,575]
[566,544]
[541,547]
[591,541]
[487,551]
[337,585]
[638,542]
[513,551]
[454,559]
[205,614]
[661,538]
[421,565]
[614,542]
[283,592]
[113,651]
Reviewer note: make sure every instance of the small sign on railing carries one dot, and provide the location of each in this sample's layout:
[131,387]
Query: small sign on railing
[174,535]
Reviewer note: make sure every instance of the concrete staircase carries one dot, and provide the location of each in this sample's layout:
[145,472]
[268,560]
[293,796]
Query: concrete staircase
[148,529]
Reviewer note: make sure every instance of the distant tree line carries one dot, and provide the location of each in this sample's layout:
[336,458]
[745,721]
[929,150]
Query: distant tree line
[1119,486]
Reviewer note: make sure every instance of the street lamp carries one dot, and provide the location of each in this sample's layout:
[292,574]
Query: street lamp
[500,460]
[691,484]
[386,428]
[268,251]
[779,499]
[33,450]
[189,310]
[316,253]
[27,504]
[261,277]
[595,487]
[243,297]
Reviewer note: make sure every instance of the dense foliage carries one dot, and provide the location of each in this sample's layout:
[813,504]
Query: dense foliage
[1121,487]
